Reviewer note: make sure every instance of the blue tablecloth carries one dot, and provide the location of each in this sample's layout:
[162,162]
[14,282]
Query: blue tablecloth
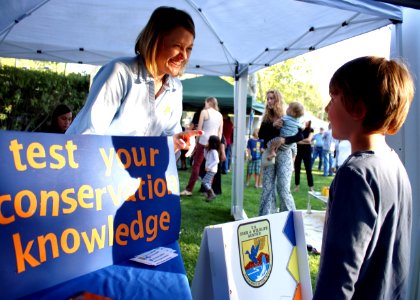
[128,280]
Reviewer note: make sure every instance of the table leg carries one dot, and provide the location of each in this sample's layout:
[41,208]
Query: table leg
[309,204]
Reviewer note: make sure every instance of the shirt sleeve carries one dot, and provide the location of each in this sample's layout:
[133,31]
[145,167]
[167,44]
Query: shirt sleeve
[263,133]
[295,138]
[348,231]
[103,102]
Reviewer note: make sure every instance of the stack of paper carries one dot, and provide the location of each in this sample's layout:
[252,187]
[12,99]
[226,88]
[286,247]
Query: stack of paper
[155,256]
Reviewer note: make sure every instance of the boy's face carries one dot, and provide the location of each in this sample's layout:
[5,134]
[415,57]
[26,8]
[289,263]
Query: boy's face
[342,123]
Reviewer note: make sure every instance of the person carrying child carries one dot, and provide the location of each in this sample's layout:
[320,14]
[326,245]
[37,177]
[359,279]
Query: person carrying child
[276,177]
[211,154]
[253,155]
[367,232]
[291,126]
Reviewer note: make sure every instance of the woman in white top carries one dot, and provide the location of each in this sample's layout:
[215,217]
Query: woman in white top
[211,122]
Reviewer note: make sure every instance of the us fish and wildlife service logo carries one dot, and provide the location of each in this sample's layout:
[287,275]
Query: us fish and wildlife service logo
[255,252]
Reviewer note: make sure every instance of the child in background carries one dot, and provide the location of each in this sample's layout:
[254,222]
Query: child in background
[291,126]
[211,154]
[366,241]
[253,155]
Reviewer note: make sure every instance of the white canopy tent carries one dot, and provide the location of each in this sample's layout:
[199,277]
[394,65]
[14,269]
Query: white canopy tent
[234,38]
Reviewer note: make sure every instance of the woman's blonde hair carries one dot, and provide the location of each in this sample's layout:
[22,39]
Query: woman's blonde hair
[384,87]
[213,102]
[272,114]
[162,21]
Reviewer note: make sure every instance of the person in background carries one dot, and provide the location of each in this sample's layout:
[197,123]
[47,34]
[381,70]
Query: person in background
[217,179]
[183,158]
[211,153]
[253,155]
[342,151]
[142,95]
[327,152]
[61,119]
[318,144]
[291,126]
[304,152]
[211,122]
[193,126]
[279,174]
[228,133]
[367,232]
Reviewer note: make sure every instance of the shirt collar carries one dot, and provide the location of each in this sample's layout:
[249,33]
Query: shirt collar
[144,76]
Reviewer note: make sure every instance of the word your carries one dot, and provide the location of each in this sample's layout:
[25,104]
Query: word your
[126,159]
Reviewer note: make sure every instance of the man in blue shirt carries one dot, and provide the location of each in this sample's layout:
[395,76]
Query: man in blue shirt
[317,149]
[327,152]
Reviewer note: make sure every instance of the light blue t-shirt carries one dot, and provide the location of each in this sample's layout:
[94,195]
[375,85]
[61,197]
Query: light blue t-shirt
[317,138]
[290,126]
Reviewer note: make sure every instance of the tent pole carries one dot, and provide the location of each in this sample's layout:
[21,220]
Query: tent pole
[240,104]
[405,44]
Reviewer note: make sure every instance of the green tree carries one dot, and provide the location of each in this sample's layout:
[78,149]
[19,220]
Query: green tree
[27,97]
[292,78]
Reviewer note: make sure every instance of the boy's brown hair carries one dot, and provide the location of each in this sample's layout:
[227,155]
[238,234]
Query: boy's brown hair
[384,87]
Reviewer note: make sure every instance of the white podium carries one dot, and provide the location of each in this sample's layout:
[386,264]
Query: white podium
[262,257]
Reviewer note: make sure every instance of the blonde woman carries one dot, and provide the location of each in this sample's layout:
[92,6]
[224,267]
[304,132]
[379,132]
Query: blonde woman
[280,173]
[211,122]
[141,95]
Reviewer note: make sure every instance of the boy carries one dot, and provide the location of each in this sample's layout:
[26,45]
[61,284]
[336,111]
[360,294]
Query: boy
[253,155]
[291,126]
[366,241]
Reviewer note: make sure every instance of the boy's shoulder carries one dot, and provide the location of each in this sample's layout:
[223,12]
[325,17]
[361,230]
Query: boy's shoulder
[371,162]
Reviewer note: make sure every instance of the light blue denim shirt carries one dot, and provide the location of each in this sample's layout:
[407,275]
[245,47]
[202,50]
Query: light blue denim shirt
[122,101]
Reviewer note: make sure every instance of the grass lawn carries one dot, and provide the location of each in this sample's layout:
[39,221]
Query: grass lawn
[197,214]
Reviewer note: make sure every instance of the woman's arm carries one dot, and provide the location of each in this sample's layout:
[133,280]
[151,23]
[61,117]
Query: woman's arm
[220,133]
[294,139]
[201,119]
[307,141]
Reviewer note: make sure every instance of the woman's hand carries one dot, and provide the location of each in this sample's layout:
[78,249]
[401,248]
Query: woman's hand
[281,140]
[278,123]
[186,140]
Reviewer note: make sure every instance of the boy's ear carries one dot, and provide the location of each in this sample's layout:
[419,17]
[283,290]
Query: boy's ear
[359,111]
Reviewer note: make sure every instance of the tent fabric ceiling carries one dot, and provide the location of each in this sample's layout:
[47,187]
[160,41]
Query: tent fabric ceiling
[231,35]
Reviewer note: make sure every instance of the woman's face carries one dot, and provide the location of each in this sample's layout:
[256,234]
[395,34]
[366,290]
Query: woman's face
[270,100]
[174,51]
[64,121]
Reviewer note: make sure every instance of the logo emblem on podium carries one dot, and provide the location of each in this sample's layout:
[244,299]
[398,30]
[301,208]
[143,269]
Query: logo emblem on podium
[255,252]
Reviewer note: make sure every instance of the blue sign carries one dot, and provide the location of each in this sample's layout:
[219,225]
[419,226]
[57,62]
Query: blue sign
[72,204]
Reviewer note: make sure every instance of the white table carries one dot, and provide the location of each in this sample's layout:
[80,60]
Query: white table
[316,195]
